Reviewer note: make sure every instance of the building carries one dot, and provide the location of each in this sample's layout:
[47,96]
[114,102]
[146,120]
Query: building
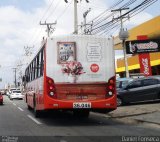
[150,28]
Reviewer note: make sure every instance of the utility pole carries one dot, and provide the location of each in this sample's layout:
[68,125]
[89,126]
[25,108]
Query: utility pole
[15,80]
[120,17]
[49,27]
[76,15]
[123,35]
[85,21]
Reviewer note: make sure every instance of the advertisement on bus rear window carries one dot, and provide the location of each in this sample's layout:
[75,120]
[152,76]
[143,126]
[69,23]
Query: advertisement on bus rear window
[80,59]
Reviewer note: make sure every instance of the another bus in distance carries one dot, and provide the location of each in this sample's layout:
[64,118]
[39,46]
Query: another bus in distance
[75,73]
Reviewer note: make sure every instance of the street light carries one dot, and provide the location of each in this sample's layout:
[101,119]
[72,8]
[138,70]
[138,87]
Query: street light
[123,35]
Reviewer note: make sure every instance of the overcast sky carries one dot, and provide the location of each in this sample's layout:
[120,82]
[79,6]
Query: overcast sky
[20,27]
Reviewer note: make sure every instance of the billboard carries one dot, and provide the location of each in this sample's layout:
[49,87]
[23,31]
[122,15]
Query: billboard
[142,46]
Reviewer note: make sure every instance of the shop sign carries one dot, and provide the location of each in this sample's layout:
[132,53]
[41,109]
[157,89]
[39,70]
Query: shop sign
[145,66]
[142,46]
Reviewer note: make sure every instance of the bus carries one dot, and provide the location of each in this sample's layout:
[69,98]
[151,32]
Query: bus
[74,73]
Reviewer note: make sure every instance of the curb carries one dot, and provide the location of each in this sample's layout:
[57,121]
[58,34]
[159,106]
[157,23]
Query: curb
[145,121]
[130,115]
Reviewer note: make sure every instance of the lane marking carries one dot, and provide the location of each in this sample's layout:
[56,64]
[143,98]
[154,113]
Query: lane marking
[20,109]
[14,104]
[35,120]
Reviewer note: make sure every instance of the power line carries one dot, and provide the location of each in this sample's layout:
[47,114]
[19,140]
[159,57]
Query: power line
[121,17]
[101,19]
[36,31]
[140,10]
[51,13]
[110,24]
[47,10]
[37,36]
[53,9]
[112,14]
[63,12]
[102,14]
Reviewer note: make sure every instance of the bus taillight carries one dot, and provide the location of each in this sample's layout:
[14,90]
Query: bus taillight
[51,90]
[111,87]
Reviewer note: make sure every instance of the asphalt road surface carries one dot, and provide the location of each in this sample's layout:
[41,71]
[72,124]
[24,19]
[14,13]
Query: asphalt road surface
[16,121]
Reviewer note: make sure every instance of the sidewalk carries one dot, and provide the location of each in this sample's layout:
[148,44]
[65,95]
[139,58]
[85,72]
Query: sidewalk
[140,112]
[150,118]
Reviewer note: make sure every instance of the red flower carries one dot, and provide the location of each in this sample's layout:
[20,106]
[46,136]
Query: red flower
[73,68]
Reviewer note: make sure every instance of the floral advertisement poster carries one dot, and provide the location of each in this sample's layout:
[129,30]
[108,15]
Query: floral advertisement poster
[66,52]
[73,69]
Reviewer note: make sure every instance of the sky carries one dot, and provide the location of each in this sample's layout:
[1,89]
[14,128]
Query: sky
[19,27]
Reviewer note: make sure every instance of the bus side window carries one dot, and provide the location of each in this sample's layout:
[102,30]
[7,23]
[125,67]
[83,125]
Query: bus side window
[42,63]
[29,73]
[34,69]
[37,66]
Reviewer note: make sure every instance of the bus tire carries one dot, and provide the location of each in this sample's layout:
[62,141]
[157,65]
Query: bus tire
[26,98]
[29,107]
[37,113]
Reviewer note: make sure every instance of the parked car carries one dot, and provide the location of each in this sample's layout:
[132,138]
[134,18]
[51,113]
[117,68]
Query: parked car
[7,93]
[1,99]
[11,90]
[122,82]
[16,94]
[139,90]
[3,92]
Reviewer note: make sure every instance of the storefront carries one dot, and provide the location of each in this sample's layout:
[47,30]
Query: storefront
[134,67]
[151,29]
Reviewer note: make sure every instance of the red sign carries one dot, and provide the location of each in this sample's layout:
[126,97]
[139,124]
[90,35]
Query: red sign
[144,60]
[94,68]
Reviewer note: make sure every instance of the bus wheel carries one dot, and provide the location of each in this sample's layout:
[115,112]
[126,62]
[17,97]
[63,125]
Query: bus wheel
[37,113]
[81,113]
[26,98]
[29,108]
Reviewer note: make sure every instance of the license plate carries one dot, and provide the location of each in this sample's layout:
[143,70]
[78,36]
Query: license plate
[81,105]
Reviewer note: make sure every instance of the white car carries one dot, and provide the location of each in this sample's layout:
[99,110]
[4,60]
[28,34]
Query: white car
[16,94]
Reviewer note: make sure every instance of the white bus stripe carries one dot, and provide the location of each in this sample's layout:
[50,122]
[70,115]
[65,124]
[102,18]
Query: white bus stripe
[35,120]
[20,109]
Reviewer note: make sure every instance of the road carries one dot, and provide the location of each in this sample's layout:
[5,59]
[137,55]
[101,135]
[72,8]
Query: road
[17,120]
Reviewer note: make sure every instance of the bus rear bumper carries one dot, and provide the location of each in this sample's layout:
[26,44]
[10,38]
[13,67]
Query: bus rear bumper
[92,105]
